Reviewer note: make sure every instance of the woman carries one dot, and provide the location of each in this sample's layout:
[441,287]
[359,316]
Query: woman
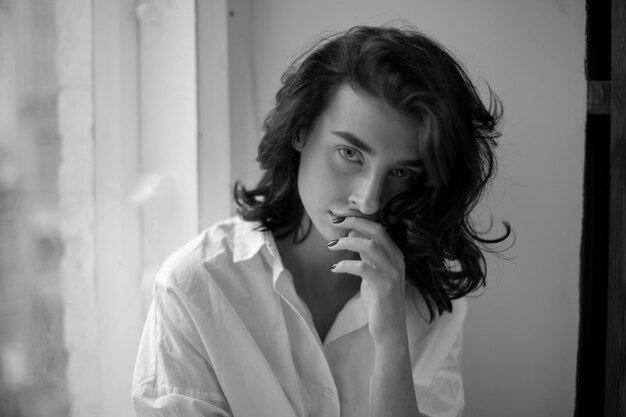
[338,290]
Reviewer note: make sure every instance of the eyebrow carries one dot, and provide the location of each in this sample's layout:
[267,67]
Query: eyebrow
[354,141]
[358,143]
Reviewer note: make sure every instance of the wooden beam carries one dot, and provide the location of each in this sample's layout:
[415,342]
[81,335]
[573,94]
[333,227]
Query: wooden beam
[168,189]
[214,136]
[118,246]
[615,404]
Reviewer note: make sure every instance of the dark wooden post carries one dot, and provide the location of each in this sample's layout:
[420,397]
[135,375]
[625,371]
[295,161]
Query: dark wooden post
[615,396]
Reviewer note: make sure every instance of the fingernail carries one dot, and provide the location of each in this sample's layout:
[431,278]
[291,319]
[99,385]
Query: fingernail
[332,242]
[338,220]
[333,267]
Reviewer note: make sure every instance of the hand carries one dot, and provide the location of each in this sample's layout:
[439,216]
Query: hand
[382,269]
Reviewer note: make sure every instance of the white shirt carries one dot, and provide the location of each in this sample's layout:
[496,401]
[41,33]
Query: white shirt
[228,335]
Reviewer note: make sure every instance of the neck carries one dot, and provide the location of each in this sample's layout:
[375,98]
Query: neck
[309,262]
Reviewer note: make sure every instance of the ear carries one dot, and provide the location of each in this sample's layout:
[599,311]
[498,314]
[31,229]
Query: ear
[298,142]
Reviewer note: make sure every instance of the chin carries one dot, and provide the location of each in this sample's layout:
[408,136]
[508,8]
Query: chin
[325,231]
[324,227]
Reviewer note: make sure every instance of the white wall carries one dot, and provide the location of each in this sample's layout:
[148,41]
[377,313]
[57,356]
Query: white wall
[521,334]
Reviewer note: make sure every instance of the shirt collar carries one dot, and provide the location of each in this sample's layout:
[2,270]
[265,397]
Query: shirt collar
[353,316]
[248,240]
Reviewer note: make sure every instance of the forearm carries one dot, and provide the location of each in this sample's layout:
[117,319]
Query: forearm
[392,391]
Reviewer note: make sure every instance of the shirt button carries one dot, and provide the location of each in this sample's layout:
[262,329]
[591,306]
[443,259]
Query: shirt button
[328,392]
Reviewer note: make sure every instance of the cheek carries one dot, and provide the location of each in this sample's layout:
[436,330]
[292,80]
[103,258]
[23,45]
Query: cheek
[341,179]
[326,171]
[321,179]
[340,168]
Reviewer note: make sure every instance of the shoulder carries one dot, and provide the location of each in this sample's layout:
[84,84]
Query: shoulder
[418,315]
[213,249]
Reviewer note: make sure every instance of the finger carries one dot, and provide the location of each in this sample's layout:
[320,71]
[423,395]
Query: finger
[363,225]
[378,282]
[369,250]
[358,268]
[359,226]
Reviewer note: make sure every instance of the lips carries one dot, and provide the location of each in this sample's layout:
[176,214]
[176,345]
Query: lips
[359,215]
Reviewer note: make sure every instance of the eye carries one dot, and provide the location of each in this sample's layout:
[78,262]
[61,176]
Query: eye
[349,154]
[403,173]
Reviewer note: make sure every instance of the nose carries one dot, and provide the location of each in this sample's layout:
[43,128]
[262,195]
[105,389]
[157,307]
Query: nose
[367,194]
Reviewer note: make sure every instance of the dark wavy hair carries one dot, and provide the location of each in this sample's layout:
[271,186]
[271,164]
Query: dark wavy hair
[457,135]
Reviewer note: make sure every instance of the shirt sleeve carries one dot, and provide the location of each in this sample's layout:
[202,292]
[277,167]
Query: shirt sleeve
[173,375]
[444,396]
[435,358]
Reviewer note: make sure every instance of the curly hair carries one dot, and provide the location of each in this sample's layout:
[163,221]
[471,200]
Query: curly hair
[457,136]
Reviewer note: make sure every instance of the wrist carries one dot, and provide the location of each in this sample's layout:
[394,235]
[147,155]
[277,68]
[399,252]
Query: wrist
[393,343]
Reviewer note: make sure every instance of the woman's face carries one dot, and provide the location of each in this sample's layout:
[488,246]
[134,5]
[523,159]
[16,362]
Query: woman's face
[359,154]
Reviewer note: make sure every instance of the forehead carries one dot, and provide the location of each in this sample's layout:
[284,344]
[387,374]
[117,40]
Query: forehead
[374,122]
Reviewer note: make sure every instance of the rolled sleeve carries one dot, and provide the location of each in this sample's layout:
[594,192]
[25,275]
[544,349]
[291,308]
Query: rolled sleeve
[445,396]
[174,401]
[436,361]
